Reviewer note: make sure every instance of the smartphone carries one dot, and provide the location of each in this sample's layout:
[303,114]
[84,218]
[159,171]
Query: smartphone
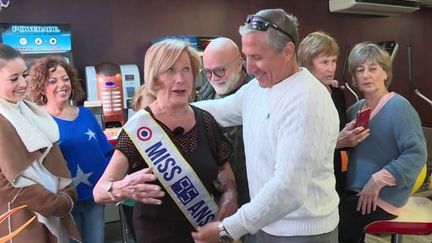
[362,119]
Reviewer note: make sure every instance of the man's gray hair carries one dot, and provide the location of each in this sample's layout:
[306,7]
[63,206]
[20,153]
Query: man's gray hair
[276,39]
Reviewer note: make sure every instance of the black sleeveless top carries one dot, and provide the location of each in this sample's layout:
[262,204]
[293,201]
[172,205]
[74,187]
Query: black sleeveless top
[205,148]
[339,102]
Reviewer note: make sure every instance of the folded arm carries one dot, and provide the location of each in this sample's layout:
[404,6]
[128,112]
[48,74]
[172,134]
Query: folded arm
[38,198]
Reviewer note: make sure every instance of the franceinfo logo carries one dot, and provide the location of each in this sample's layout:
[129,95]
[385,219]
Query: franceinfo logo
[34,29]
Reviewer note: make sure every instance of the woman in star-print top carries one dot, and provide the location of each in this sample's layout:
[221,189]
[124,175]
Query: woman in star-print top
[54,84]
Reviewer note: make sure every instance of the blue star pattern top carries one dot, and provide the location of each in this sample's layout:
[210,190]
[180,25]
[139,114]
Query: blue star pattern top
[86,150]
[91,135]
[82,177]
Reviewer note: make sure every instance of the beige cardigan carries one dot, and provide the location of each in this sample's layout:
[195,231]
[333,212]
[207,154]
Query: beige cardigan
[14,159]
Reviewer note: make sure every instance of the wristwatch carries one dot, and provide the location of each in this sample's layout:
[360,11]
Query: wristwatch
[224,236]
[108,189]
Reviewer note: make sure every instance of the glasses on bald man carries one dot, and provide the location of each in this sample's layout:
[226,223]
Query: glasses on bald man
[218,72]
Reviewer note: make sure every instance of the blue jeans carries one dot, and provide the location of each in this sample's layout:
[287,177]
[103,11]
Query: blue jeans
[90,220]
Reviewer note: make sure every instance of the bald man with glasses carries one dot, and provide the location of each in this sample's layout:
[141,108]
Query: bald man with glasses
[290,127]
[225,74]
[223,69]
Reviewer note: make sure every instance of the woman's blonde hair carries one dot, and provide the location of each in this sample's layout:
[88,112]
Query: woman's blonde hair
[368,51]
[314,44]
[161,56]
[142,98]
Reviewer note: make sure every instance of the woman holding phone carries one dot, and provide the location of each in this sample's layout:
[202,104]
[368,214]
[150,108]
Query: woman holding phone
[384,166]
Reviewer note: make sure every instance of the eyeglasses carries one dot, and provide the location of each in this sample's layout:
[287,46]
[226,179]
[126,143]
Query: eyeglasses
[262,24]
[218,72]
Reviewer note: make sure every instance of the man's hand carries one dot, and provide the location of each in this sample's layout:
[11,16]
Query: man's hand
[209,233]
[226,184]
[227,205]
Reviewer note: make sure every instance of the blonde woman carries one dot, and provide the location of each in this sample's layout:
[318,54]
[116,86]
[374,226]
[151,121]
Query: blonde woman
[179,145]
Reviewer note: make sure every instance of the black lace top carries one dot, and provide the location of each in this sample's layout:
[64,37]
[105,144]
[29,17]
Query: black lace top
[205,148]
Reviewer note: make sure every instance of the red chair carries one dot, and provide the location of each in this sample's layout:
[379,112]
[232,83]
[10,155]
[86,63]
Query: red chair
[416,219]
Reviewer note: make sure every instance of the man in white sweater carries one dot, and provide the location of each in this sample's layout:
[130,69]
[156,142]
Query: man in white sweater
[290,129]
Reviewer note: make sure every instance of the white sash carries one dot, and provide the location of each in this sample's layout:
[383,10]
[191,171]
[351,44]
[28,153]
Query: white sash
[172,170]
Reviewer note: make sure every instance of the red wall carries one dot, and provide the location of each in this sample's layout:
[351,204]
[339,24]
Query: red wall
[120,31]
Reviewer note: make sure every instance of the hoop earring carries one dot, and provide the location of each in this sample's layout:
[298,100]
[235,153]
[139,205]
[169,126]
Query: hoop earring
[43,99]
[335,83]
[72,94]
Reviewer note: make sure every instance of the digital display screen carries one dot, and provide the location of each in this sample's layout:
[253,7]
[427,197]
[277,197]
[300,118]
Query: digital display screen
[129,77]
[37,38]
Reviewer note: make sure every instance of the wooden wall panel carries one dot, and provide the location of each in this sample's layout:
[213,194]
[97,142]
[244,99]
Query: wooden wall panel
[121,31]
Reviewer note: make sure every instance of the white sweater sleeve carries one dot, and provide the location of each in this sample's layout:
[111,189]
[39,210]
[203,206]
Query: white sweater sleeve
[228,110]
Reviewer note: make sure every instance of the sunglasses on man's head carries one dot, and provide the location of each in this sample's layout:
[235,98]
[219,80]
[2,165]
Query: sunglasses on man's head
[262,24]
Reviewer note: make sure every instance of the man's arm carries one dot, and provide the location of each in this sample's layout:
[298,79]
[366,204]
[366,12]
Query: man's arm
[228,110]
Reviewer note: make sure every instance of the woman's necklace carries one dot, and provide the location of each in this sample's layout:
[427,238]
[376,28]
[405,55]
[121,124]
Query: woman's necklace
[68,113]
[372,102]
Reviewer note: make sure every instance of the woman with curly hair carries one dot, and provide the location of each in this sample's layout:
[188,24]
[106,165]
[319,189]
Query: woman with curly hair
[54,84]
